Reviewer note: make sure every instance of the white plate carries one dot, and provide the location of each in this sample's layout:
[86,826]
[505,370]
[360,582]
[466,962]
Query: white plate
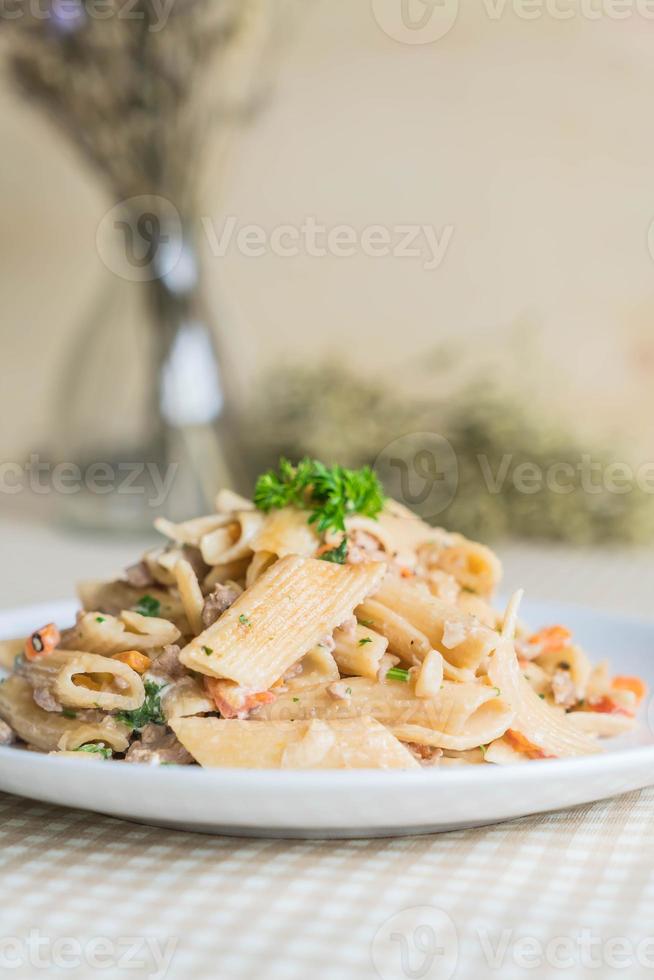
[353,803]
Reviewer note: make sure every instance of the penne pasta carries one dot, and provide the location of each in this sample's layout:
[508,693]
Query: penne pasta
[357,744]
[276,621]
[319,625]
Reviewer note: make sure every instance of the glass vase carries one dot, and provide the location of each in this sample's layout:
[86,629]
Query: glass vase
[144,420]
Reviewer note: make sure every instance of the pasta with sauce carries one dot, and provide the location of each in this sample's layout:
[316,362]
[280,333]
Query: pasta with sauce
[319,625]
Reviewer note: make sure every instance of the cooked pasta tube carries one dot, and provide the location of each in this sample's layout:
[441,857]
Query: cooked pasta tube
[287,532]
[113,733]
[546,728]
[284,614]
[191,532]
[37,727]
[360,743]
[404,640]
[112,598]
[316,667]
[600,724]
[191,595]
[473,565]
[185,697]
[488,721]
[125,694]
[227,502]
[261,560]
[217,543]
[462,639]
[456,717]
[359,651]
[98,633]
[248,524]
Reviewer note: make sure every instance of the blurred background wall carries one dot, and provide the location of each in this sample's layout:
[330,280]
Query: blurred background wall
[531,139]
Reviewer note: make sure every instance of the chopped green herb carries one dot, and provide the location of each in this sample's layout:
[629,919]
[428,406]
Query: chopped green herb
[68,713]
[397,674]
[498,691]
[348,691]
[364,640]
[542,697]
[148,606]
[207,650]
[244,620]
[330,492]
[336,555]
[482,749]
[149,712]
[98,748]
[366,622]
[296,700]
[99,619]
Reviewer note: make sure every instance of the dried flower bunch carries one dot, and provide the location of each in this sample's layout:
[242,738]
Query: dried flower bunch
[309,412]
[134,84]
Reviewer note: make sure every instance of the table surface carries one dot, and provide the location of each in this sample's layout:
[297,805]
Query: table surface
[566,894]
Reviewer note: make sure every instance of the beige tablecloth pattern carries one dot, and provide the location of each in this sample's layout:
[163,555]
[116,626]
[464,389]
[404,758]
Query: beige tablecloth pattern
[569,894]
[184,905]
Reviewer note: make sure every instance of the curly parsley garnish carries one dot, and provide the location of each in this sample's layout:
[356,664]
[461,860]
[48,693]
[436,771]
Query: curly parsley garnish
[98,748]
[148,606]
[149,712]
[330,492]
[336,555]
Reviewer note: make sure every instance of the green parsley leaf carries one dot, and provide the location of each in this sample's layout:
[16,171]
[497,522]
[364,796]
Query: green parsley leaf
[68,713]
[330,492]
[498,691]
[296,700]
[150,710]
[364,640]
[348,691]
[366,622]
[99,619]
[397,674]
[244,620]
[98,748]
[542,697]
[207,650]
[336,555]
[148,606]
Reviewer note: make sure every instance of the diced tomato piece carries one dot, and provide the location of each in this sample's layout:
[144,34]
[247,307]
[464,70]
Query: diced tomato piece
[522,744]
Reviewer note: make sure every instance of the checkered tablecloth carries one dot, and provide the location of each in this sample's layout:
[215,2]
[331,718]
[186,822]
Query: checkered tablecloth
[569,894]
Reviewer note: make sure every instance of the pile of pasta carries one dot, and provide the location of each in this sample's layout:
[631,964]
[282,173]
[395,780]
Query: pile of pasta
[245,640]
